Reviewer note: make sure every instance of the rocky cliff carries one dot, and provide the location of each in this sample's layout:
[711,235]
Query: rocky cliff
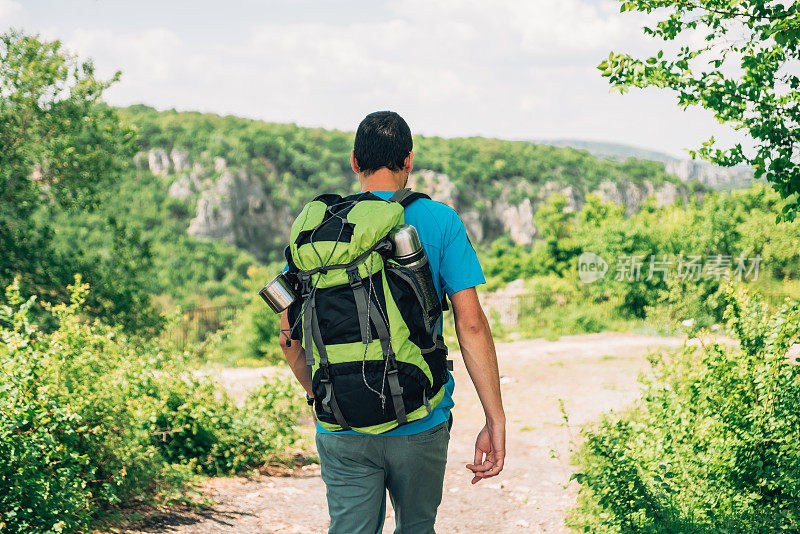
[515,218]
[242,181]
[712,176]
[239,207]
[249,209]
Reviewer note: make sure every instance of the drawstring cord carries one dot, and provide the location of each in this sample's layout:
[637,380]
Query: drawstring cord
[380,393]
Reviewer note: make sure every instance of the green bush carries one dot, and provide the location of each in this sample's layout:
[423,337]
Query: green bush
[251,337]
[194,423]
[712,444]
[90,418]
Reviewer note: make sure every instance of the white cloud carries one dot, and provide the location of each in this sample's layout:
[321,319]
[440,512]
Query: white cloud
[441,53]
[541,28]
[152,55]
[9,12]
[392,59]
[506,68]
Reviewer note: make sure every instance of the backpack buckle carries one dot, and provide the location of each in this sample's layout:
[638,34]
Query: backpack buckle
[353,277]
[305,285]
[324,373]
[385,248]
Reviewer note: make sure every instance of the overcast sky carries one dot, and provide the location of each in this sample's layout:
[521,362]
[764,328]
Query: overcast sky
[514,69]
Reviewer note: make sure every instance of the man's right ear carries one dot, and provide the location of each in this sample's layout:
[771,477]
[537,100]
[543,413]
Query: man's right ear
[354,162]
[408,163]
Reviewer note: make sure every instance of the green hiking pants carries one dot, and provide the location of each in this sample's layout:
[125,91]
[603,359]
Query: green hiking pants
[358,470]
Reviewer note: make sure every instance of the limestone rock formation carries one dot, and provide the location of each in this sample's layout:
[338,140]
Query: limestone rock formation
[220,164]
[238,209]
[442,189]
[186,186]
[158,161]
[436,185]
[632,196]
[180,160]
[472,222]
[668,193]
[574,198]
[710,175]
[516,220]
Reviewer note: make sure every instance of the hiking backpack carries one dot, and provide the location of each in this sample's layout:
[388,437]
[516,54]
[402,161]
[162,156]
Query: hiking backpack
[376,358]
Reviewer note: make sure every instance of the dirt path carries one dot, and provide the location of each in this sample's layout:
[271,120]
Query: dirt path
[591,374]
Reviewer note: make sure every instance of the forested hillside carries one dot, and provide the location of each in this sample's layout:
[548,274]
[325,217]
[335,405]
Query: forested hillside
[215,196]
[243,180]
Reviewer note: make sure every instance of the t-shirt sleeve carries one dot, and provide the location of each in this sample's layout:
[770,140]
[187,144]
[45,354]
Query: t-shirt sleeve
[459,267]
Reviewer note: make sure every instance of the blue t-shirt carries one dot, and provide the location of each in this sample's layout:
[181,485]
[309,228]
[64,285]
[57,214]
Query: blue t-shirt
[454,266]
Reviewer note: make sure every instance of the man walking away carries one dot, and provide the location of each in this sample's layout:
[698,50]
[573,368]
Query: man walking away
[409,460]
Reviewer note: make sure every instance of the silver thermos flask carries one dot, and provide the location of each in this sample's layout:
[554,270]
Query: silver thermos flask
[409,253]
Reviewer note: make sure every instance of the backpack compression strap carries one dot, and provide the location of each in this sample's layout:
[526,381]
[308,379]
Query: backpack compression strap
[367,314]
[312,334]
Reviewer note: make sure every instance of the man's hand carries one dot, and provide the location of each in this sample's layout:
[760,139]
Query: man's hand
[314,415]
[490,452]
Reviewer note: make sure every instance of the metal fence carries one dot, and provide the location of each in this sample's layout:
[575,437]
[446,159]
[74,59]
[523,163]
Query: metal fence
[776,301]
[197,323]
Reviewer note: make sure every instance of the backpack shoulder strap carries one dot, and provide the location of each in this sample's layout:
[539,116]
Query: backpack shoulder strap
[406,196]
[328,199]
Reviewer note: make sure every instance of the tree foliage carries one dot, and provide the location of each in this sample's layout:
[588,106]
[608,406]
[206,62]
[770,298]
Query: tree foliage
[739,224]
[744,70]
[61,149]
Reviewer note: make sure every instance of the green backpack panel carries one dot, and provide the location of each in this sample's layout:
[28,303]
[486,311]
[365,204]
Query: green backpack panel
[376,361]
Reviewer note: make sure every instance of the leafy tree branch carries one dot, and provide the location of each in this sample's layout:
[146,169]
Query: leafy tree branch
[745,73]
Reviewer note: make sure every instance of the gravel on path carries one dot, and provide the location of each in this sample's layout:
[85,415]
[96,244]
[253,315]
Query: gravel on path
[587,375]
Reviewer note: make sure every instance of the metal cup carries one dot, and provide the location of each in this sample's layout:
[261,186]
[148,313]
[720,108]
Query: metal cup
[278,294]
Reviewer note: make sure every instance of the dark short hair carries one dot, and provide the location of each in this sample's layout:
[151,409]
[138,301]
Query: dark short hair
[383,139]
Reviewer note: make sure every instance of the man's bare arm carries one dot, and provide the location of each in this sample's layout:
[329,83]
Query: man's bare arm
[295,356]
[477,349]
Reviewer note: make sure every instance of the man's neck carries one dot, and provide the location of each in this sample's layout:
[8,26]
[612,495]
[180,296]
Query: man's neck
[383,180]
